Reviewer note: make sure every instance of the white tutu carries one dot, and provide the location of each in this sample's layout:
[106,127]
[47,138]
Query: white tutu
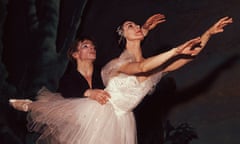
[79,121]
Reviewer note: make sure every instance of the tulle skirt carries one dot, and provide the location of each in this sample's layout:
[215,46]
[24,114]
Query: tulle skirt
[79,121]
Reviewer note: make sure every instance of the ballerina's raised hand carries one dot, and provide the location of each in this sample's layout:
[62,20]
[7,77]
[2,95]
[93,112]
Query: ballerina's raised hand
[152,22]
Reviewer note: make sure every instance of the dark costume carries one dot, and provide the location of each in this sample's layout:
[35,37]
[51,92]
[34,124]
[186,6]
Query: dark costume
[73,84]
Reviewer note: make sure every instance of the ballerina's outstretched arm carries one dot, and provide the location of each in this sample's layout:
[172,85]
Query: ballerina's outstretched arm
[218,27]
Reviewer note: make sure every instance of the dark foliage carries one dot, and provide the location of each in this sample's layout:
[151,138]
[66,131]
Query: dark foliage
[181,134]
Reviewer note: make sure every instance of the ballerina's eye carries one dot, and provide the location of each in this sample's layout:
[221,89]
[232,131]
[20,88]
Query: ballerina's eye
[130,26]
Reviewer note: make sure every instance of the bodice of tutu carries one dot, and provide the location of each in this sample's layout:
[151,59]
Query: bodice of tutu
[127,92]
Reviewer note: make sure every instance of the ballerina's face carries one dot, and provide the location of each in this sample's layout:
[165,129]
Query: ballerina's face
[132,31]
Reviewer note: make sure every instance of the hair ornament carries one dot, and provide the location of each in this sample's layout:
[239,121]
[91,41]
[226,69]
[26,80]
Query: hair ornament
[120,33]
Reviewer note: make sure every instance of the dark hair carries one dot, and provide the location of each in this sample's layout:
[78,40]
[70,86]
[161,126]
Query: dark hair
[74,46]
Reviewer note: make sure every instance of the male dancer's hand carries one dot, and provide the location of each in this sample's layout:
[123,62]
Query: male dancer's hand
[99,95]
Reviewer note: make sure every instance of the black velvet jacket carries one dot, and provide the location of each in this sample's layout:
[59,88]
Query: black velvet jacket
[73,84]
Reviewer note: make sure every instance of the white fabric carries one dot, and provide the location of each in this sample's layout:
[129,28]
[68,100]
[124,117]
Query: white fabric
[84,121]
